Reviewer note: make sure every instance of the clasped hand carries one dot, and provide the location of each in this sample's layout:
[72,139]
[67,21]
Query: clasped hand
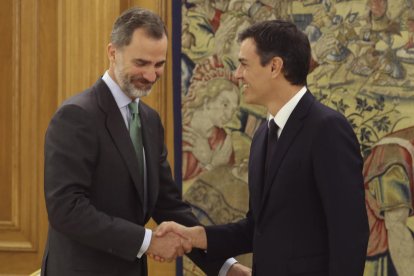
[168,247]
[171,240]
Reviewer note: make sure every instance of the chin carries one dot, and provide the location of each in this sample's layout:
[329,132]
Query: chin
[248,99]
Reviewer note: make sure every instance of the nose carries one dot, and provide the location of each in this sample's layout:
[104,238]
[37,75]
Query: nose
[237,73]
[150,75]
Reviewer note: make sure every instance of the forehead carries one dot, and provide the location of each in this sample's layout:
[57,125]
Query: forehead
[143,45]
[248,49]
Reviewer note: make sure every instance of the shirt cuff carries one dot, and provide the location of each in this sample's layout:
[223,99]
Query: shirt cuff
[145,243]
[226,266]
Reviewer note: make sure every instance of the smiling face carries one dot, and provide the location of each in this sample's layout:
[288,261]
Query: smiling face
[256,78]
[137,66]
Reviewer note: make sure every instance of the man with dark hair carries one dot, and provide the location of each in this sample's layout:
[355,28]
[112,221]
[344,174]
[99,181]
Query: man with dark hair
[106,168]
[306,213]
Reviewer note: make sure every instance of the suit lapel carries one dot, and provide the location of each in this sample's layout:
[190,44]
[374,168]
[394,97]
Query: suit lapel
[150,156]
[287,137]
[119,133]
[256,167]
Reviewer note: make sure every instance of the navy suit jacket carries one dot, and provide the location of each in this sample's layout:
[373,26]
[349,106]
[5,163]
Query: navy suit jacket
[93,193]
[310,218]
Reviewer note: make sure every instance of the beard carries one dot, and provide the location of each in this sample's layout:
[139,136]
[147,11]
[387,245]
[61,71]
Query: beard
[126,83]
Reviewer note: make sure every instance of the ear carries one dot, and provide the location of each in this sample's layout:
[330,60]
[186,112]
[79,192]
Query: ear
[111,51]
[276,65]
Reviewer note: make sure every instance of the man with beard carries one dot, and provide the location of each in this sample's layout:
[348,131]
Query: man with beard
[106,169]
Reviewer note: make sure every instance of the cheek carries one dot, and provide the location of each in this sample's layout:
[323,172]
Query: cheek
[159,71]
[135,71]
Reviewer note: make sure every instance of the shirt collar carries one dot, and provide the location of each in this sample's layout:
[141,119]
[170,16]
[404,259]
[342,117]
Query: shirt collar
[284,113]
[121,99]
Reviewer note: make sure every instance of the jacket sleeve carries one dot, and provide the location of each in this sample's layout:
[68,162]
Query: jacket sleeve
[71,151]
[337,166]
[230,239]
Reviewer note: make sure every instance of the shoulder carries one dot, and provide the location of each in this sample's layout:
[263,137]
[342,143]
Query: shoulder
[325,116]
[85,99]
[80,108]
[88,100]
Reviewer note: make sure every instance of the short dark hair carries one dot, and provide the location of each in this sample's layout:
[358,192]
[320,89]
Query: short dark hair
[135,18]
[283,39]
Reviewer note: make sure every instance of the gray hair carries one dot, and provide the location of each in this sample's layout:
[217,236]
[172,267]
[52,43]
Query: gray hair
[136,18]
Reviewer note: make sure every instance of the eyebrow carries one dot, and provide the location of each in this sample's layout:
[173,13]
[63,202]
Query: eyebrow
[144,61]
[159,63]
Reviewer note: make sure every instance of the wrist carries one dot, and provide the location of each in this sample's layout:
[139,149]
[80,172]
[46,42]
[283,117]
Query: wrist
[200,240]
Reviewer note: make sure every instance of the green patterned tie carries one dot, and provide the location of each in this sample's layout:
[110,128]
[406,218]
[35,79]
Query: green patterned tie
[136,137]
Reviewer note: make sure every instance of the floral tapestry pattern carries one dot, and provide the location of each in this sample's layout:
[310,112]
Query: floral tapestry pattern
[362,66]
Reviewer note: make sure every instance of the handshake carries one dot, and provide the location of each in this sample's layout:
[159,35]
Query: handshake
[171,240]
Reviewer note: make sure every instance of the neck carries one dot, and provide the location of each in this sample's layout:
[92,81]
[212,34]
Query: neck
[280,99]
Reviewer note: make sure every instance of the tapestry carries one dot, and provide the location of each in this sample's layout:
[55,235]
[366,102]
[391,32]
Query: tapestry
[362,66]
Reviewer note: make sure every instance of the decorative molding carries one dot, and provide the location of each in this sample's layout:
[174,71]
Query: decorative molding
[83,33]
[20,233]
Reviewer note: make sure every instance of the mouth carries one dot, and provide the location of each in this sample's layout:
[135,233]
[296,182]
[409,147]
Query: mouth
[141,84]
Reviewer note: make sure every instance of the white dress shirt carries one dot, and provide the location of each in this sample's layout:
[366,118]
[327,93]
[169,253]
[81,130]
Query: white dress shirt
[284,113]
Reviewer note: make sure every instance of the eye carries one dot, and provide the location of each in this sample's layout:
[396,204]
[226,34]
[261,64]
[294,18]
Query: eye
[140,63]
[159,64]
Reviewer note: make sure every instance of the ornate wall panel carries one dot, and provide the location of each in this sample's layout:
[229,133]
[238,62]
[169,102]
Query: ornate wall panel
[22,218]
[83,34]
[18,224]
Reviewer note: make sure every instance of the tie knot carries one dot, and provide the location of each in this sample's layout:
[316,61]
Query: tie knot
[273,127]
[133,108]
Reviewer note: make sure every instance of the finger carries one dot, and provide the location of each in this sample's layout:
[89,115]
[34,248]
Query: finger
[171,258]
[163,228]
[187,246]
[159,259]
[180,251]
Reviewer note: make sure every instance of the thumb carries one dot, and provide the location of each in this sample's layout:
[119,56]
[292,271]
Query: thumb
[164,228]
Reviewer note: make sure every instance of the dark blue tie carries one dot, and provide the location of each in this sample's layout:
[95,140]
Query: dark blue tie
[271,144]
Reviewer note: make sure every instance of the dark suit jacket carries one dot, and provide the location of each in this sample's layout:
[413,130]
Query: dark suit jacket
[93,194]
[311,217]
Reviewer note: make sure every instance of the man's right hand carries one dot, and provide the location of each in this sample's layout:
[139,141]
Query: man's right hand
[196,235]
[168,247]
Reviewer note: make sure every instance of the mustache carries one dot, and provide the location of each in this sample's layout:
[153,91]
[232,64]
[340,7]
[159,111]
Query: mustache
[143,80]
